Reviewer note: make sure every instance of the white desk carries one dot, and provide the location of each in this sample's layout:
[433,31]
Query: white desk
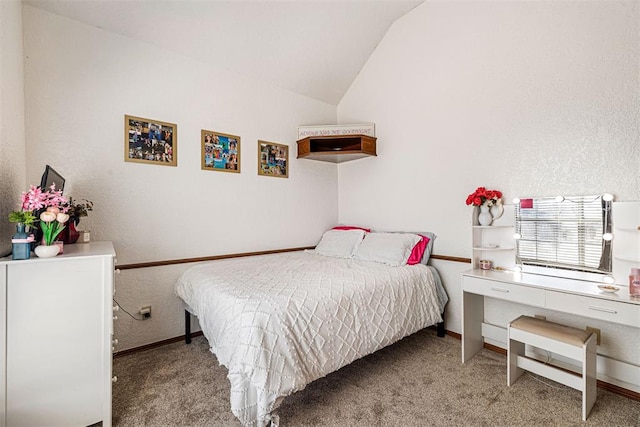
[553,293]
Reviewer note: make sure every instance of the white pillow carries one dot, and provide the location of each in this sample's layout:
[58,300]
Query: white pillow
[388,248]
[340,243]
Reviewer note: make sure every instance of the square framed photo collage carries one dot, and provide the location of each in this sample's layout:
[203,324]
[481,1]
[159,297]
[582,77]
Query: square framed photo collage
[220,151]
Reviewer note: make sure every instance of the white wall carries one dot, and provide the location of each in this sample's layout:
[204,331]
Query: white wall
[81,81]
[12,148]
[514,96]
[531,98]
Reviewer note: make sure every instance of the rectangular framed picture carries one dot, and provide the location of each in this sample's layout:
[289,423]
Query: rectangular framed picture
[220,151]
[150,141]
[273,159]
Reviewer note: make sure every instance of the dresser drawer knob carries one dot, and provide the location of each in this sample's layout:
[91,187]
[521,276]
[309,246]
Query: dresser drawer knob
[114,379]
[116,307]
[506,291]
[606,310]
[115,317]
[117,271]
[114,341]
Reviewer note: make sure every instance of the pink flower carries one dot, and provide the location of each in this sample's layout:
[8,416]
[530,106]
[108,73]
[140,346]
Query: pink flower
[52,219]
[33,200]
[54,198]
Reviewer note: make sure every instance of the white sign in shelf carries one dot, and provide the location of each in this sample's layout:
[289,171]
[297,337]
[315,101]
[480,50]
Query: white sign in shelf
[368,129]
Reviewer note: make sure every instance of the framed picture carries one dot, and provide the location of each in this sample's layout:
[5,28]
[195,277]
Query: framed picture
[273,159]
[220,151]
[150,141]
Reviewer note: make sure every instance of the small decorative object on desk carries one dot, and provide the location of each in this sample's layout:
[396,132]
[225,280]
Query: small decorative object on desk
[485,200]
[608,288]
[634,282]
[486,264]
[51,222]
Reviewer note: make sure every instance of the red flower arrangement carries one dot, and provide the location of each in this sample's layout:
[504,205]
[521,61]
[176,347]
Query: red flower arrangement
[482,196]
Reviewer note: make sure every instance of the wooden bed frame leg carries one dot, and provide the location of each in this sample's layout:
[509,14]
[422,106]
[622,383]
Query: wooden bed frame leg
[187,327]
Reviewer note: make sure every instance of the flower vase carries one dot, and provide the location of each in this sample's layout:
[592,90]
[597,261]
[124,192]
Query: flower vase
[70,234]
[44,251]
[20,243]
[484,217]
[497,209]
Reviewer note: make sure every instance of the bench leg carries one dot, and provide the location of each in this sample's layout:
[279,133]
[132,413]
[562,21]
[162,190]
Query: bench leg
[514,349]
[589,377]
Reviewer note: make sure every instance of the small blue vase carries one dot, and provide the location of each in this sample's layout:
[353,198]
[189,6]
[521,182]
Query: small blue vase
[21,245]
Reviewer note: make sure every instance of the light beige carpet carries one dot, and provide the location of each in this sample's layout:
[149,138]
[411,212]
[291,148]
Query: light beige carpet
[416,382]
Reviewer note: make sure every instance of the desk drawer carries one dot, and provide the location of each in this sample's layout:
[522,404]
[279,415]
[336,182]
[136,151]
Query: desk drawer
[505,291]
[596,308]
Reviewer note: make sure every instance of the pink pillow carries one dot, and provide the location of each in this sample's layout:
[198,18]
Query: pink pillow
[350,227]
[418,250]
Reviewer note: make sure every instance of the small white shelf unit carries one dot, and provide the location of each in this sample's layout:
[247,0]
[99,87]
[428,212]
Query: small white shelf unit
[494,242]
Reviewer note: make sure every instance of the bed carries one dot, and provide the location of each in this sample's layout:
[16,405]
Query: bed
[278,322]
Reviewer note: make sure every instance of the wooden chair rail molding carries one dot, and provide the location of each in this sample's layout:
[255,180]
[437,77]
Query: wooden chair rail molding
[451,258]
[244,254]
[206,258]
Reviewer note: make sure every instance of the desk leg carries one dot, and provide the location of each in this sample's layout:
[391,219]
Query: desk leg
[472,318]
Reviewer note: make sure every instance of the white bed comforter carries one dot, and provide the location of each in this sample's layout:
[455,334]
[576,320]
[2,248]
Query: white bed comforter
[278,322]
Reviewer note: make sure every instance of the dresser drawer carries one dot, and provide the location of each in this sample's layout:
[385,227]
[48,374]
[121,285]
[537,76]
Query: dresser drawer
[506,291]
[597,308]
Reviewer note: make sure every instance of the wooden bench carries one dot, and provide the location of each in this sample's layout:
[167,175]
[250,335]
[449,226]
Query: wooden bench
[556,338]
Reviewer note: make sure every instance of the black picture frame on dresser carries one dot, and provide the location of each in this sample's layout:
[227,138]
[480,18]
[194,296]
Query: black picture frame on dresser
[50,177]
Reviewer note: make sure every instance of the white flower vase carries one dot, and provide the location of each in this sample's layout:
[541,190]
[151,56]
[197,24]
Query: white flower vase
[497,210]
[44,251]
[484,218]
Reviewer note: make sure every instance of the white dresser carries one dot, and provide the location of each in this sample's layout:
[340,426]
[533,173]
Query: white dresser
[56,325]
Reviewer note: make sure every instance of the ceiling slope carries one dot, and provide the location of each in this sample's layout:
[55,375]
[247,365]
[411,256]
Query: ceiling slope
[313,48]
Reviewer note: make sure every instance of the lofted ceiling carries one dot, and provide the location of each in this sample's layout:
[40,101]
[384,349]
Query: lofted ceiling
[313,48]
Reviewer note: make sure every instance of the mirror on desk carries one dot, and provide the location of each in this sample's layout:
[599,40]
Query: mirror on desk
[567,236]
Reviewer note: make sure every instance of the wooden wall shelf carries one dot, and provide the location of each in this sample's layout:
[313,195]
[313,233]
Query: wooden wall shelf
[336,149]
